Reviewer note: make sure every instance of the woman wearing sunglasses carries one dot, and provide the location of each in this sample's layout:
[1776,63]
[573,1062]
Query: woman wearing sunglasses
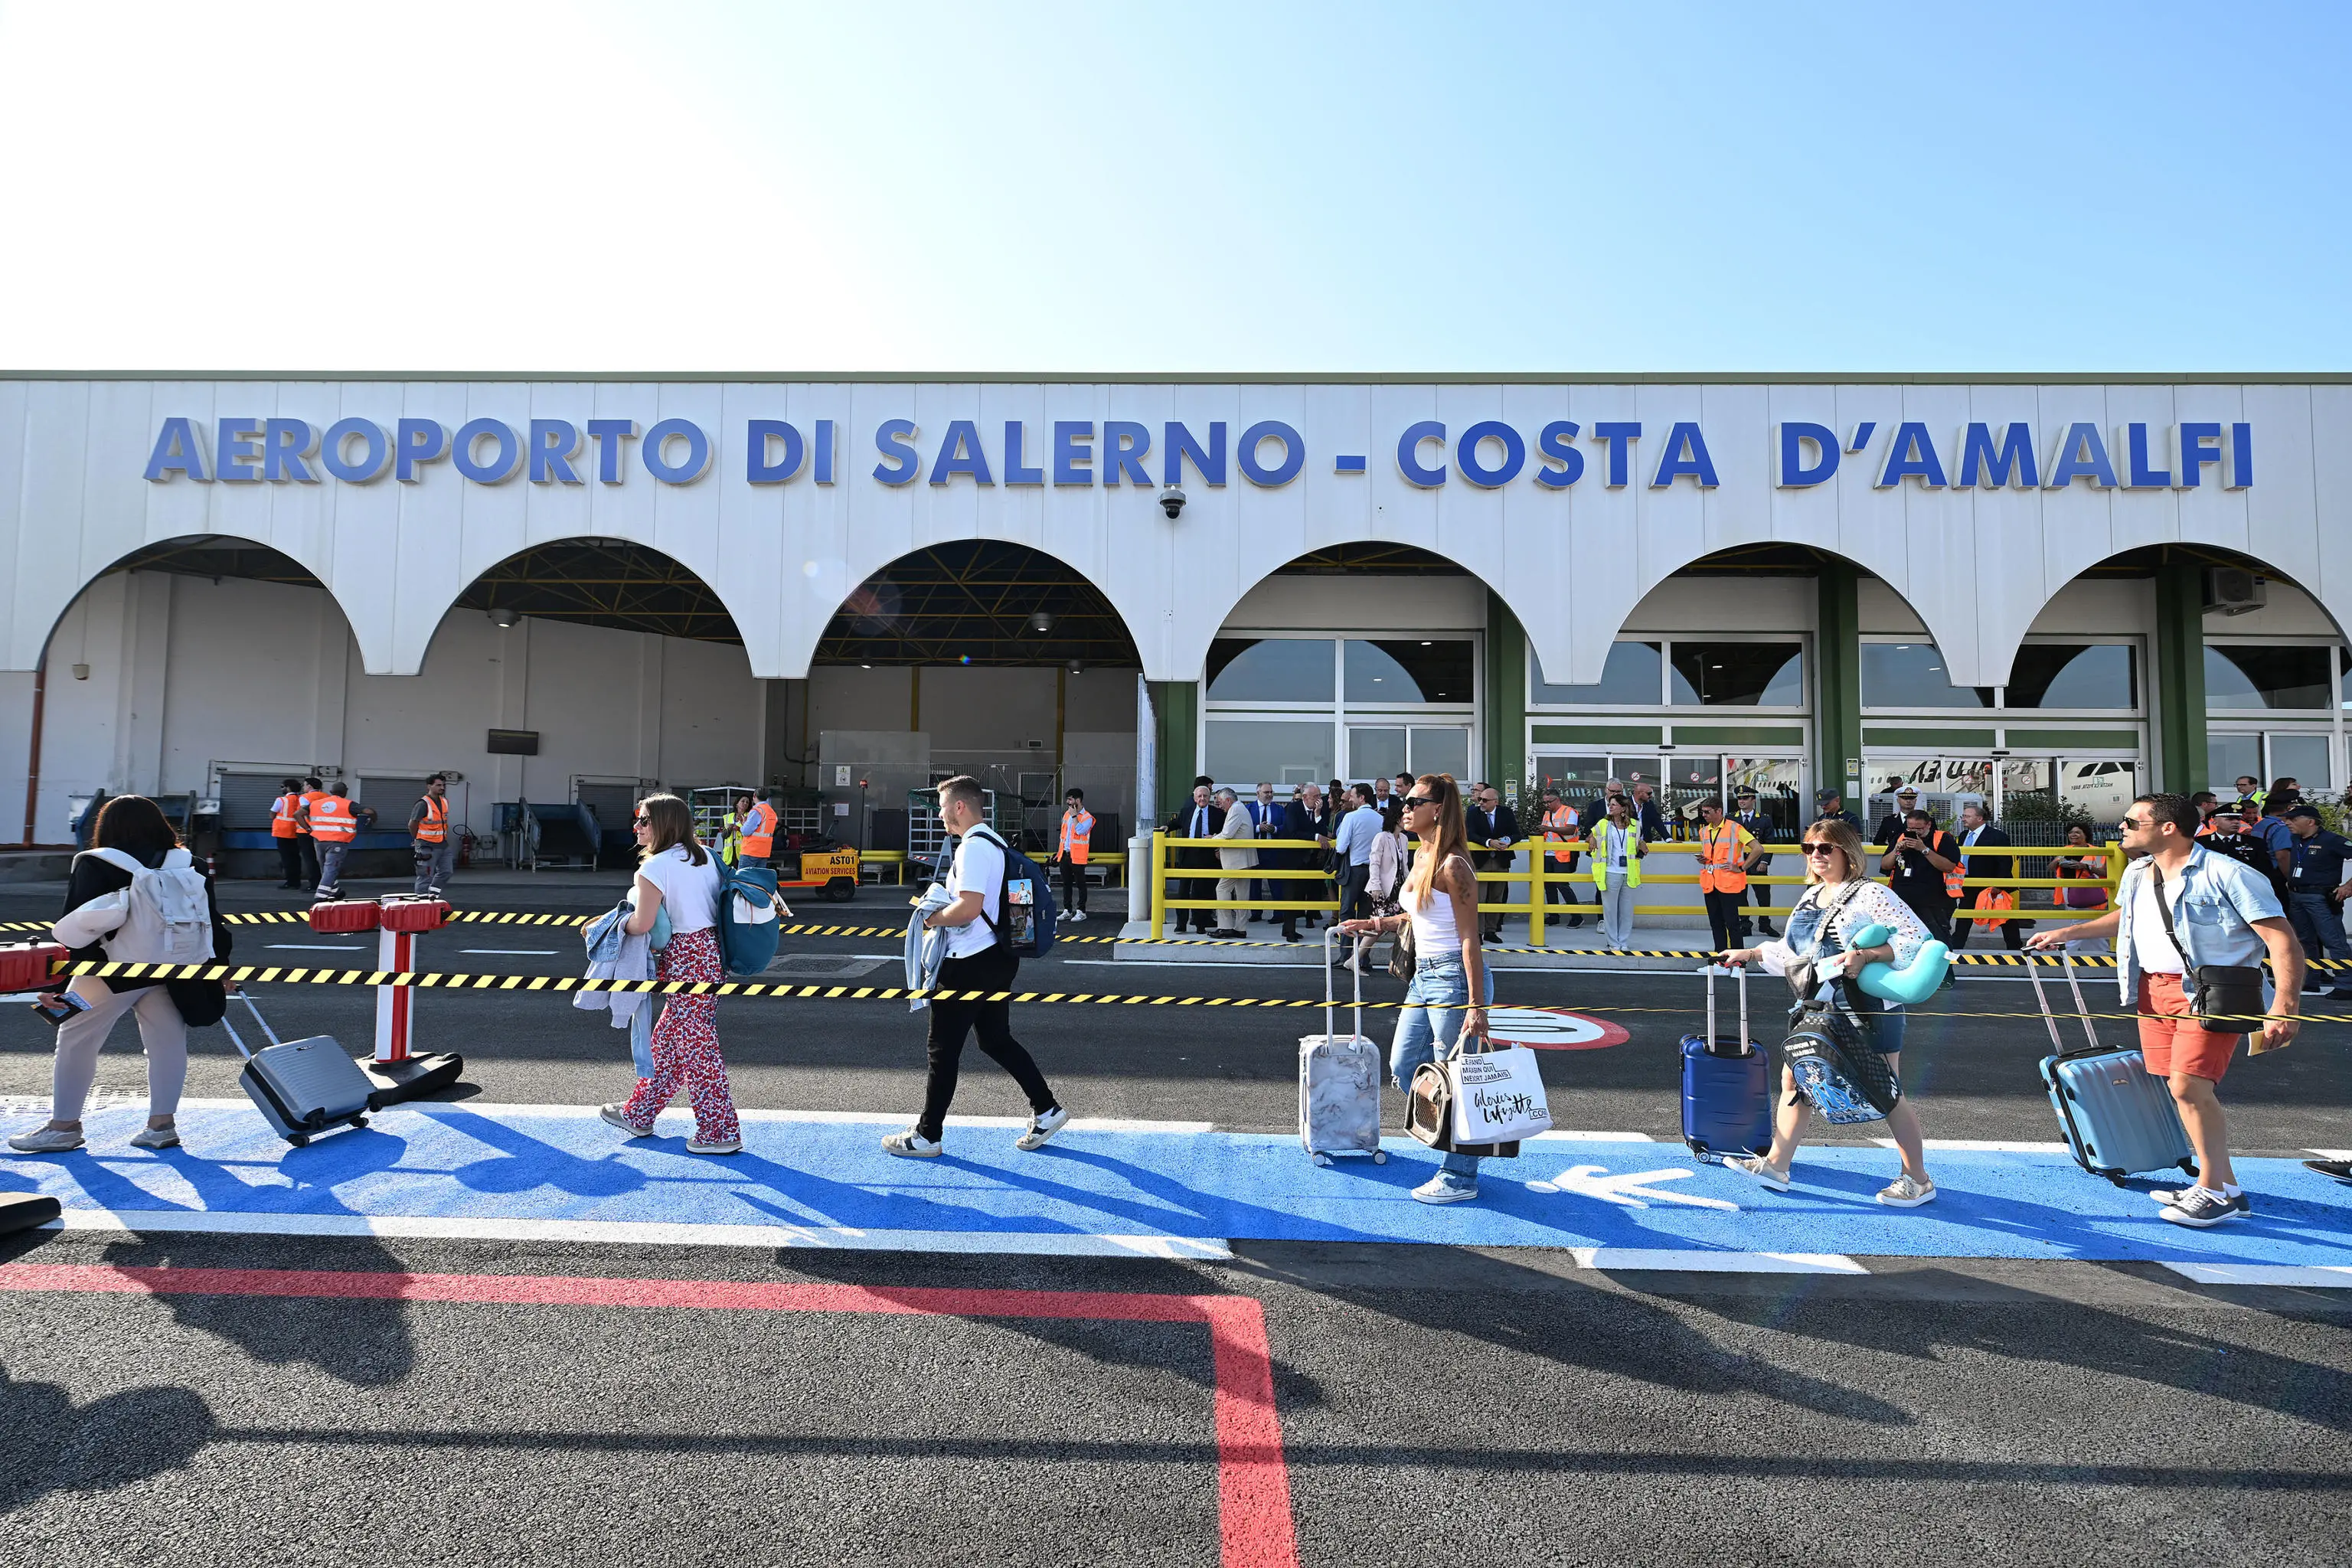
[675,873]
[1840,897]
[1440,899]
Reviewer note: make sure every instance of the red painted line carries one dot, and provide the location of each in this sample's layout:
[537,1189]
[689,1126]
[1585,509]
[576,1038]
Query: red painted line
[1253,1511]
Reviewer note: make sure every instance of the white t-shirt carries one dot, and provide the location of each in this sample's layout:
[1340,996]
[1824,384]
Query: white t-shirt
[2154,949]
[979,867]
[689,892]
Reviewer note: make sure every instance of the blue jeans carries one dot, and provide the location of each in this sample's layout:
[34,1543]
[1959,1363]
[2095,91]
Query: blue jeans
[1422,1034]
[2317,927]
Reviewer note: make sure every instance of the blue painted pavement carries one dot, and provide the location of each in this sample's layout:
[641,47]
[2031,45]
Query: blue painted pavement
[523,1163]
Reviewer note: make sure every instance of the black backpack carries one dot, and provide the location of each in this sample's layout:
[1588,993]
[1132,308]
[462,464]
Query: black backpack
[2251,852]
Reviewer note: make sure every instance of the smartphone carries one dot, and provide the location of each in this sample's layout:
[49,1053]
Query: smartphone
[68,1005]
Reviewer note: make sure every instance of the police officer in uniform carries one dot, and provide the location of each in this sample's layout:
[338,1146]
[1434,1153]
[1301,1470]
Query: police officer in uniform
[1759,827]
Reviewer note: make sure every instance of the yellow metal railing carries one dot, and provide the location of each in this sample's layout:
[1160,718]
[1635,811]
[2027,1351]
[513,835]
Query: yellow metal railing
[1542,875]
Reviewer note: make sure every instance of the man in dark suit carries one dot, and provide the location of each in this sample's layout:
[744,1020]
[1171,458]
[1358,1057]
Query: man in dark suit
[1302,819]
[1492,824]
[1977,830]
[1650,813]
[1266,822]
[1201,819]
[1759,827]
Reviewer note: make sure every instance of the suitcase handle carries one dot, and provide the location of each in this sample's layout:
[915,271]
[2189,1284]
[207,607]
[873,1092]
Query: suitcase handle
[240,995]
[1330,999]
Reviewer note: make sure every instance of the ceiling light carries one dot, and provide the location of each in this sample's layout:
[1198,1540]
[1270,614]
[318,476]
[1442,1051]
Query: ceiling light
[503,618]
[1041,621]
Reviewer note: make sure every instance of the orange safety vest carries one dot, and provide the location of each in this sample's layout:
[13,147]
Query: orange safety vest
[331,821]
[1077,835]
[435,827]
[759,831]
[1559,823]
[1995,898]
[282,822]
[311,798]
[1719,867]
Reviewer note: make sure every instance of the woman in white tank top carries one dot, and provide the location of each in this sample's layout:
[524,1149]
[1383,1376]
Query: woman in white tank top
[1445,1005]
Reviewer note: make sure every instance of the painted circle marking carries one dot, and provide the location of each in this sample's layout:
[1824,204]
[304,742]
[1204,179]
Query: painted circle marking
[1553,1029]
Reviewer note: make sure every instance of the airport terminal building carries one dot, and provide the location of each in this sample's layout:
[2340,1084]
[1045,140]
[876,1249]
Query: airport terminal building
[2048,593]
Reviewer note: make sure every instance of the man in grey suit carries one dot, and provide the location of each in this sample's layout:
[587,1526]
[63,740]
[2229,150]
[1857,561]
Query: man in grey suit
[1238,831]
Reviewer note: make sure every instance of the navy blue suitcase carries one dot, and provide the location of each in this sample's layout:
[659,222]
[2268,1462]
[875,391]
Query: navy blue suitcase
[1726,1088]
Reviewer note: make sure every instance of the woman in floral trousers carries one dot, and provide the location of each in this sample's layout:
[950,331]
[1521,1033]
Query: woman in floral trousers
[678,874]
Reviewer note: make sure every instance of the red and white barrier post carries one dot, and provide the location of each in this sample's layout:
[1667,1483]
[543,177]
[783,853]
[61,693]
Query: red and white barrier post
[395,951]
[398,1072]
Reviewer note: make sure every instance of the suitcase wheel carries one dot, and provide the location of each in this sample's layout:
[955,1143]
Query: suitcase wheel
[1322,1159]
[359,1121]
[1379,1156]
[297,1138]
[2116,1178]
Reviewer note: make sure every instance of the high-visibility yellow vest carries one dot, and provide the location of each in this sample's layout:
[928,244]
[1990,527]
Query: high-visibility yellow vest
[1604,839]
[1719,867]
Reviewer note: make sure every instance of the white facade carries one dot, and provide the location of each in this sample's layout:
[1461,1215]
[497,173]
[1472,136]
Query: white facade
[1977,565]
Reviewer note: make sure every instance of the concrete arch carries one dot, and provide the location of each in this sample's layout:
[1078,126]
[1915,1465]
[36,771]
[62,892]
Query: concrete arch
[822,587]
[545,604]
[36,612]
[1200,616]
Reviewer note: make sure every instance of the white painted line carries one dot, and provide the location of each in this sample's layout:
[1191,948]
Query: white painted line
[2322,1276]
[1558,1134]
[310,947]
[1178,963]
[1984,1145]
[644,1233]
[507,952]
[1699,1262]
[494,1110]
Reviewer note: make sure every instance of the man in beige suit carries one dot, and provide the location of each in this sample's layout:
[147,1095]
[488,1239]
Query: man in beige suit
[1239,831]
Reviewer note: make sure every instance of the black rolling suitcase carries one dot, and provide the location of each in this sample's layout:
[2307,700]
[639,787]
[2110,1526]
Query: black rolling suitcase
[302,1088]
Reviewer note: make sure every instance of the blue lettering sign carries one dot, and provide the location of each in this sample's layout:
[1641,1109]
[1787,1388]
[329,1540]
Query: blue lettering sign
[179,451]
[1563,465]
[554,444]
[2082,454]
[1793,473]
[1618,436]
[1017,471]
[823,474]
[2241,470]
[1209,464]
[469,438]
[1129,444]
[1514,454]
[608,435]
[760,437]
[416,442]
[960,453]
[1073,457]
[337,442]
[2141,475]
[1911,455]
[2012,463]
[236,450]
[2200,444]
[891,440]
[1409,453]
[285,443]
[1686,455]
[1294,453]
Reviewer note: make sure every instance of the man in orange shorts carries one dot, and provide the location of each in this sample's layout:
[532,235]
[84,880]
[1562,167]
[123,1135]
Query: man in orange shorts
[2215,911]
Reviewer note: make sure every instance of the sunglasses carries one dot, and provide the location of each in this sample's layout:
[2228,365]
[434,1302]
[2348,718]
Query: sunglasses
[1820,849]
[1413,800]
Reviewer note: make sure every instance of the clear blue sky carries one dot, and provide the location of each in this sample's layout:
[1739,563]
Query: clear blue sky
[1185,187]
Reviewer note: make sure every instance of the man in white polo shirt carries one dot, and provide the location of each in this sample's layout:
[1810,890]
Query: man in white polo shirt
[976,961]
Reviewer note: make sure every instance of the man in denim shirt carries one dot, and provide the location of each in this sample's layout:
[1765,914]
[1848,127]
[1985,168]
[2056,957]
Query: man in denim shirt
[2223,912]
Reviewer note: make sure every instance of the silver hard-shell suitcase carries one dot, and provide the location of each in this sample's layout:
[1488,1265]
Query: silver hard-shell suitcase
[1340,1080]
[2117,1117]
[301,1087]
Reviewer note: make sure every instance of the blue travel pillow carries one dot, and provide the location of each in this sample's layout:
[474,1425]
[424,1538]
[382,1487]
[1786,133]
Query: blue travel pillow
[1915,981]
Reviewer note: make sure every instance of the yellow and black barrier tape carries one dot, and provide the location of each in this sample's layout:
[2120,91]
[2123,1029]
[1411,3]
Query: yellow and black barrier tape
[273,975]
[898,932]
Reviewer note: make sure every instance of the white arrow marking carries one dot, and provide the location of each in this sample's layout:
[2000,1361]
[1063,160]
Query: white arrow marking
[1595,1181]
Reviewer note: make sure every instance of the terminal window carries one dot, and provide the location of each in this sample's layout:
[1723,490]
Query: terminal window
[2258,676]
[1913,675]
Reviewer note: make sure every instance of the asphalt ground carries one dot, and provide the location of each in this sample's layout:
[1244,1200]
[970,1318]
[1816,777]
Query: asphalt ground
[1432,1402]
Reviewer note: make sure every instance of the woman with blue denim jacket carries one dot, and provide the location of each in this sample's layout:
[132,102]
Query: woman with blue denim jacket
[1439,901]
[1842,898]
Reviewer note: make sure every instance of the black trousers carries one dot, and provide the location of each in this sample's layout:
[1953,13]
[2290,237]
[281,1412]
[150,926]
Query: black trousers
[289,860]
[1074,885]
[2011,936]
[953,1022]
[1724,919]
[309,859]
[1757,893]
[1935,914]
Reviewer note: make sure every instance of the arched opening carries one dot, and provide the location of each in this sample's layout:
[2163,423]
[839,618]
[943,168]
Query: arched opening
[980,656]
[574,677]
[2247,669]
[190,671]
[1357,661]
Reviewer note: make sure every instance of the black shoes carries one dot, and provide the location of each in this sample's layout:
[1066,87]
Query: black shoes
[2341,1169]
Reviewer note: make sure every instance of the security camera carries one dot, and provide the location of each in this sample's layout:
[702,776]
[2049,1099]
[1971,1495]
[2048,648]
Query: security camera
[1171,500]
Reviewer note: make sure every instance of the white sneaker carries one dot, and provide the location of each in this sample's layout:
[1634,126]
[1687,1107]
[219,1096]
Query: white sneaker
[1753,1167]
[1902,1193]
[911,1145]
[614,1118]
[1042,1128]
[1077,916]
[715,1146]
[156,1138]
[45,1141]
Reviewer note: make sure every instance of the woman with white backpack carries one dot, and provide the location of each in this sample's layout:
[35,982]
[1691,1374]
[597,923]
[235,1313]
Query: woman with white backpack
[134,895]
